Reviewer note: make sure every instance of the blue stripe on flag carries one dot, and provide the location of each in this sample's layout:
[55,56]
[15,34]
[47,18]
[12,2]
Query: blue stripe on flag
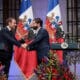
[52,4]
[25,4]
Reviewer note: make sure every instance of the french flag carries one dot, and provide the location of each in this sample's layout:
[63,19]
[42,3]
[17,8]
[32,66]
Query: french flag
[53,21]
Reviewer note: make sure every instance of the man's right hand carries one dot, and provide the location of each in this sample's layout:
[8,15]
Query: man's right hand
[24,45]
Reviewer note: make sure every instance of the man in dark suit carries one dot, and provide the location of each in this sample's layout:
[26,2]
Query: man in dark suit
[41,41]
[7,38]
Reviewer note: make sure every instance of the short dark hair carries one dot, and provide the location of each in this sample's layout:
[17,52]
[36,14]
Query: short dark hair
[38,20]
[9,20]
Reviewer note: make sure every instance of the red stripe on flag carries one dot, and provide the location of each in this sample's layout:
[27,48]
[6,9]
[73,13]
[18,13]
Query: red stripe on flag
[26,60]
[52,34]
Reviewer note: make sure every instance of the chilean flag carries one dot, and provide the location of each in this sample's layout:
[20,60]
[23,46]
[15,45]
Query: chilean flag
[26,60]
[26,10]
[53,21]
[25,17]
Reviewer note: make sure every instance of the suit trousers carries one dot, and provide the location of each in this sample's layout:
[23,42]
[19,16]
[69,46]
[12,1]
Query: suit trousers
[42,53]
[5,59]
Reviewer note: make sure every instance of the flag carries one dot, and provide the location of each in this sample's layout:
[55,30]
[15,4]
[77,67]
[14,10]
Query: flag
[26,60]
[26,10]
[54,24]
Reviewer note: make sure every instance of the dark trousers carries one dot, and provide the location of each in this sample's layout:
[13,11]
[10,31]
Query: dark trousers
[5,59]
[42,53]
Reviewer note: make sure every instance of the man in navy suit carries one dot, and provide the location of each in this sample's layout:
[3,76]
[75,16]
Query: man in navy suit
[7,38]
[40,43]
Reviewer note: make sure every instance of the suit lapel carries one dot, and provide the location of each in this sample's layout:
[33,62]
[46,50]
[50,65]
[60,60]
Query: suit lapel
[38,32]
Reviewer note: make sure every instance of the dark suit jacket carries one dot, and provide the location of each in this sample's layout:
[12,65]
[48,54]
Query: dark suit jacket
[31,34]
[40,43]
[7,38]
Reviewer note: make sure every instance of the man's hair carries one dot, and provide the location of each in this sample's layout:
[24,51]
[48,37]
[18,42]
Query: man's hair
[38,20]
[9,20]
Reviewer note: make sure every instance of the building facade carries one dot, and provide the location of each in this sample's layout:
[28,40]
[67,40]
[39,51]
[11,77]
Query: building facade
[70,11]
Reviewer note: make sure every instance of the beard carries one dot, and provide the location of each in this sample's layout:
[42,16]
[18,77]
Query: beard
[35,27]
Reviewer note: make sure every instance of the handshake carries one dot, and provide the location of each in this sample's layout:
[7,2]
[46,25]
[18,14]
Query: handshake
[24,45]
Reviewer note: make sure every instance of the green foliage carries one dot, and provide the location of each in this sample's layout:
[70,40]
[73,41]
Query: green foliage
[50,69]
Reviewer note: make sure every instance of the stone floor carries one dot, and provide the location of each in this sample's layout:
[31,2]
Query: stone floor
[76,70]
[15,73]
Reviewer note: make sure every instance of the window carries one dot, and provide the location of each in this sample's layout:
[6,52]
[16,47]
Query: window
[10,9]
[1,13]
[73,20]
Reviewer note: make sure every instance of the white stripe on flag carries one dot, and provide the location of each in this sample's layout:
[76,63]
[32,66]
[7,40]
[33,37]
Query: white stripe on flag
[28,13]
[57,12]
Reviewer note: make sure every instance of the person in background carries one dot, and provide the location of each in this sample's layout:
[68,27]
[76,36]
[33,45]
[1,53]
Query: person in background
[7,38]
[40,43]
